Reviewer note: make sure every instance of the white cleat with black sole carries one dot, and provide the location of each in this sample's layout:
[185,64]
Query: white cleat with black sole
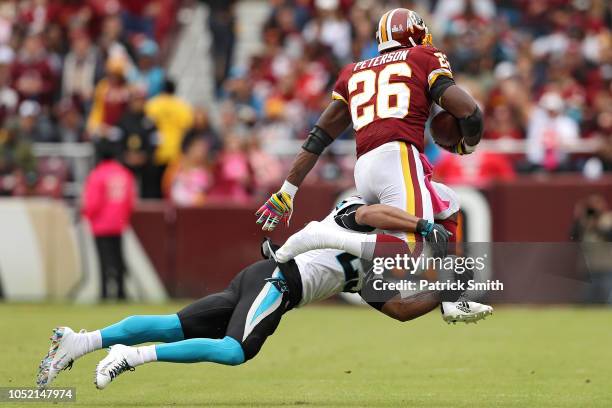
[466,312]
[113,365]
[62,353]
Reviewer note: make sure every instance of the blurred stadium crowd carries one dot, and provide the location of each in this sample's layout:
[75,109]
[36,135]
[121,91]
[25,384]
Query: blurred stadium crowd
[78,71]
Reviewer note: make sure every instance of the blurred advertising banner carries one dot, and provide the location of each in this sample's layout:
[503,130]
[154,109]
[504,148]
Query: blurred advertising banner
[46,255]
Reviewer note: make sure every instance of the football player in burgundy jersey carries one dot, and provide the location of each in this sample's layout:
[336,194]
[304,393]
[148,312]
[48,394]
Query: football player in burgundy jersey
[387,99]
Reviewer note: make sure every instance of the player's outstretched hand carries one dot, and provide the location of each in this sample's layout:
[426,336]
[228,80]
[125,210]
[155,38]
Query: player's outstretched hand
[278,208]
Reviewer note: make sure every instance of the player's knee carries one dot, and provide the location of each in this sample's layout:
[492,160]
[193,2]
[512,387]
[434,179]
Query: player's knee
[251,347]
[235,353]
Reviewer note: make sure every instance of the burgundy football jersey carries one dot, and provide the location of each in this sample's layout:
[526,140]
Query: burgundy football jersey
[389,97]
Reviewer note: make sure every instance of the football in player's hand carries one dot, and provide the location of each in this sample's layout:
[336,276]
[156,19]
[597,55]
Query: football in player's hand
[445,129]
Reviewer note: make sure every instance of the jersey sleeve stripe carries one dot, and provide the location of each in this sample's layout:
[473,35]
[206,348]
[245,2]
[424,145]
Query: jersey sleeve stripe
[433,75]
[336,96]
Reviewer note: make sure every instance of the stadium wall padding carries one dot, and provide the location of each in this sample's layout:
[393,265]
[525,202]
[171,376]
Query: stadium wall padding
[45,255]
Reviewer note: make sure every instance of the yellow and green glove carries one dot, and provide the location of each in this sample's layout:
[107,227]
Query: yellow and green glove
[278,208]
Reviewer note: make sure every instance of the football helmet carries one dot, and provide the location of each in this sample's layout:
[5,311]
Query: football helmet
[401,28]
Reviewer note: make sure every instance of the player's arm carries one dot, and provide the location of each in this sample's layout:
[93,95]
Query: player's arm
[454,100]
[334,120]
[469,116]
[330,125]
[365,218]
[411,307]
[391,302]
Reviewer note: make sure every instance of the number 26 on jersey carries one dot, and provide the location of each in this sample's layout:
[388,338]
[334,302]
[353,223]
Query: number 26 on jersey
[392,99]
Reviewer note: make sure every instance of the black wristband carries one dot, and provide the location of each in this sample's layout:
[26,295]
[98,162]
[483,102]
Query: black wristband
[471,127]
[421,226]
[318,140]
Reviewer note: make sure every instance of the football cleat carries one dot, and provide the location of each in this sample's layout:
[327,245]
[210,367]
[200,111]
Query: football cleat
[466,312]
[113,365]
[62,353]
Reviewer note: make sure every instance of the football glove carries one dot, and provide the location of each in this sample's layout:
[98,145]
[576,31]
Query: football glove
[436,235]
[278,208]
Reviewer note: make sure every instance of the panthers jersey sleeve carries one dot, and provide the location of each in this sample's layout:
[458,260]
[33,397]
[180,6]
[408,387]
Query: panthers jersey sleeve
[340,91]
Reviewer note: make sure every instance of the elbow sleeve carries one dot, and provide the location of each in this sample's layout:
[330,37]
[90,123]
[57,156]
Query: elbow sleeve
[346,218]
[318,140]
[471,127]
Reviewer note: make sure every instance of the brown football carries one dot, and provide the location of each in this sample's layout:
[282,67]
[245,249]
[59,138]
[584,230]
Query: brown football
[445,129]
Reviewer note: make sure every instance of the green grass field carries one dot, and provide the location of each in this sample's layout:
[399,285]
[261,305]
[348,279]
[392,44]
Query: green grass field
[347,356]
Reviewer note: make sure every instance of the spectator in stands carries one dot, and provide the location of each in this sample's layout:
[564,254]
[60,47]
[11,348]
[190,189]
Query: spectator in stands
[70,122]
[112,41]
[108,202]
[232,173]
[173,118]
[267,169]
[17,162]
[330,27]
[138,134]
[8,97]
[502,124]
[221,22]
[364,44]
[202,128]
[82,69]
[190,180]
[604,130]
[448,10]
[31,124]
[550,133]
[139,16]
[32,72]
[147,73]
[593,228]
[111,97]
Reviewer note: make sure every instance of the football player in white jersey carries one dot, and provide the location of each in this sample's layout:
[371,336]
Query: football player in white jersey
[358,240]
[230,327]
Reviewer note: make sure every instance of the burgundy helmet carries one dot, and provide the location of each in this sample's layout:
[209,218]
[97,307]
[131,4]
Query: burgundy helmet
[401,28]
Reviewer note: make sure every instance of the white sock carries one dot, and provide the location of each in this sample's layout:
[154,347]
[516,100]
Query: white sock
[94,341]
[88,342]
[319,236]
[144,354]
[351,242]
